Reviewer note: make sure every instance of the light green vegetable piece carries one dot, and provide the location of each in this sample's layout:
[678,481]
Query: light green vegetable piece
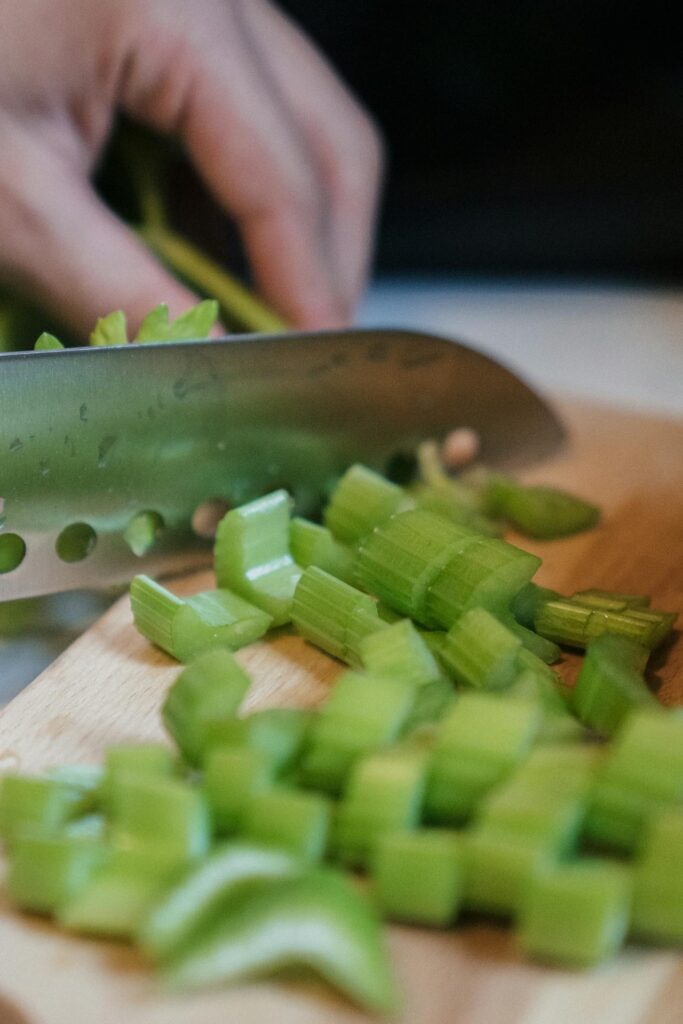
[110,330]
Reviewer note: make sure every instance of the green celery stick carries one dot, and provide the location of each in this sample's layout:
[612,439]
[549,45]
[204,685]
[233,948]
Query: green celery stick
[136,758]
[657,913]
[361,501]
[568,622]
[610,684]
[194,324]
[46,341]
[418,877]
[548,651]
[188,628]
[312,544]
[384,794]
[252,555]
[158,815]
[289,819]
[319,922]
[38,805]
[207,692]
[608,600]
[576,914]
[280,733]
[527,602]
[477,743]
[333,615]
[400,650]
[543,512]
[401,558]
[480,652]
[206,891]
[232,776]
[499,866]
[516,809]
[110,330]
[47,871]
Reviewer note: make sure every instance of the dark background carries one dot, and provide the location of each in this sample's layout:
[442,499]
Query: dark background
[523,136]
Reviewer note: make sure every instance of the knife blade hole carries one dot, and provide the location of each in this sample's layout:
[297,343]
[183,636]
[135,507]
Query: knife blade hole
[207,516]
[143,531]
[75,542]
[12,551]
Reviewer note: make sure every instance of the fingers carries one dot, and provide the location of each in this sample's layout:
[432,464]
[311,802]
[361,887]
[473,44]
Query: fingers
[206,78]
[64,247]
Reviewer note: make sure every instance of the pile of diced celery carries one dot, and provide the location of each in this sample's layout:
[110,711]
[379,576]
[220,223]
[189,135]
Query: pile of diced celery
[448,772]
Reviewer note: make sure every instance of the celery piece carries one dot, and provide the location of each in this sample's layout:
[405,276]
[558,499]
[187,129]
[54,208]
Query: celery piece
[47,871]
[567,770]
[110,330]
[362,500]
[118,896]
[191,325]
[364,711]
[576,914]
[252,554]
[543,512]
[137,758]
[532,812]
[280,733]
[418,877]
[610,684]
[333,615]
[499,867]
[38,805]
[401,558]
[527,602]
[209,690]
[456,502]
[206,892]
[232,775]
[156,815]
[608,600]
[188,628]
[290,820]
[46,342]
[384,794]
[400,650]
[546,650]
[480,652]
[642,775]
[312,544]
[487,573]
[535,680]
[567,622]
[477,743]
[318,922]
[657,913]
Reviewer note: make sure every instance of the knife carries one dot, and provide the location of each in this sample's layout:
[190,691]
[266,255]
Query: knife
[113,459]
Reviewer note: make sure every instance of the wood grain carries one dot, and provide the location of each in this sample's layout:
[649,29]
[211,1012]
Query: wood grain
[107,688]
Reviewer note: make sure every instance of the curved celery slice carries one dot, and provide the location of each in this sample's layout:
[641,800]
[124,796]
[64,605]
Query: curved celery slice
[400,650]
[47,871]
[188,628]
[576,914]
[207,890]
[418,877]
[209,690]
[361,501]
[333,615]
[161,816]
[39,805]
[610,684]
[480,652]
[312,544]
[291,820]
[319,922]
[252,555]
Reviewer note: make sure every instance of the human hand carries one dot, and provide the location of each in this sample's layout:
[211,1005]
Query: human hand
[277,139]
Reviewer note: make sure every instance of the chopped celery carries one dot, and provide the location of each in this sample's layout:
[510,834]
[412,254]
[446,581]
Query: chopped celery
[610,684]
[399,561]
[289,819]
[499,867]
[319,922]
[657,912]
[527,602]
[576,914]
[110,330]
[209,690]
[479,741]
[194,323]
[568,622]
[547,650]
[480,652]
[188,628]
[206,891]
[564,769]
[38,805]
[532,812]
[609,600]
[543,512]
[418,877]
[312,544]
[157,815]
[46,341]
[280,733]
[118,896]
[361,501]
[232,775]
[333,615]
[136,758]
[252,555]
[47,871]
[363,712]
[400,650]
[384,794]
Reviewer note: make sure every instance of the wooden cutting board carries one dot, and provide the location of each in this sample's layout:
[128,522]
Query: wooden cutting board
[108,686]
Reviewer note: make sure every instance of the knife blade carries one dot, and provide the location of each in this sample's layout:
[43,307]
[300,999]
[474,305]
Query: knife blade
[94,440]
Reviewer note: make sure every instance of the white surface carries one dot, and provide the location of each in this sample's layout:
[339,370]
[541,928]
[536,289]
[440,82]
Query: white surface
[611,343]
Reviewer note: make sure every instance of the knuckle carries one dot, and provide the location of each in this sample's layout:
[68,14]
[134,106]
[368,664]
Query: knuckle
[360,167]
